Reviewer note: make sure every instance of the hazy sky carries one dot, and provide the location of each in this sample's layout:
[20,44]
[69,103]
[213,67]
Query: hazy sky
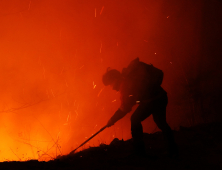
[54,53]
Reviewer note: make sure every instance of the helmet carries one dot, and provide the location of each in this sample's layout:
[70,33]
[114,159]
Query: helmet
[110,76]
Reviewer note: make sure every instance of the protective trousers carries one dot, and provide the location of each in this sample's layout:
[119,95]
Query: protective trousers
[157,108]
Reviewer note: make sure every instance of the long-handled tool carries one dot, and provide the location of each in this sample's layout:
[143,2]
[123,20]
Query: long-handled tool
[88,139]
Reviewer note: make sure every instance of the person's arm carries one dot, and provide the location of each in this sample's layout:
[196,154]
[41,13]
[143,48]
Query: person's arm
[127,102]
[119,114]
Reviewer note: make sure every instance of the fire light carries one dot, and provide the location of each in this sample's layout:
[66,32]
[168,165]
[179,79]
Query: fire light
[101,10]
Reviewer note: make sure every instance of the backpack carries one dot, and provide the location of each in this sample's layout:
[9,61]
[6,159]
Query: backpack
[144,76]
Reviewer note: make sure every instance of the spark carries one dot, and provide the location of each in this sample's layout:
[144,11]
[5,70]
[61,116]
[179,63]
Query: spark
[67,119]
[81,67]
[155,53]
[58,135]
[114,100]
[29,5]
[95,12]
[168,16]
[101,10]
[66,83]
[77,114]
[130,95]
[100,92]
[94,85]
[137,101]
[101,48]
[171,63]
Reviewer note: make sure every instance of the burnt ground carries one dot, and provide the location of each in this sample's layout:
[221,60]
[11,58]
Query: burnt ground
[200,147]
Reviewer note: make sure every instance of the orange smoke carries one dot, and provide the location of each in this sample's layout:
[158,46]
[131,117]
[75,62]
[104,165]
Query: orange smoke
[52,57]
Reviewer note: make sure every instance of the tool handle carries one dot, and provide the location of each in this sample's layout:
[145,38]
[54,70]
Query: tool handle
[89,139]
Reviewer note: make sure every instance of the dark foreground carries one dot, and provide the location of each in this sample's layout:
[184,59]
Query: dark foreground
[200,147]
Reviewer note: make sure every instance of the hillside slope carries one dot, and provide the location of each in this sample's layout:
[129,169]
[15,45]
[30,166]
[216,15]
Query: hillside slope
[200,147]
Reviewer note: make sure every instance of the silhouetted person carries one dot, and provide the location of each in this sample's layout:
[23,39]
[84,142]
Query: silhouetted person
[140,83]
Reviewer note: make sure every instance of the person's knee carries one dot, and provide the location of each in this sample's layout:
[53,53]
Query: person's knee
[134,118]
[136,126]
[164,127]
[162,124]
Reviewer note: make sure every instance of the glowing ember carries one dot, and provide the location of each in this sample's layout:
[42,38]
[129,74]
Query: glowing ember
[101,10]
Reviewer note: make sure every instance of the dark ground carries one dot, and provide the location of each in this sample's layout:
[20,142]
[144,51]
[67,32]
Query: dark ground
[200,147]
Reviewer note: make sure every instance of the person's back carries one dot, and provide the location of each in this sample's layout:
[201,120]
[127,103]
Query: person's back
[141,83]
[144,77]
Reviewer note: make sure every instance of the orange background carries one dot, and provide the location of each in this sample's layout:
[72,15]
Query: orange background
[54,53]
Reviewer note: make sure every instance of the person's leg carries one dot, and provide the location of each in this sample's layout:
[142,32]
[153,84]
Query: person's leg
[159,117]
[137,129]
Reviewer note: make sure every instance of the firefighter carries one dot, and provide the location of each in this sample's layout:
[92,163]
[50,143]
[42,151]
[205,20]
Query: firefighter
[140,83]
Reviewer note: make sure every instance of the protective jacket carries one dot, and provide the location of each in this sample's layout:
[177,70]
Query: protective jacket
[140,83]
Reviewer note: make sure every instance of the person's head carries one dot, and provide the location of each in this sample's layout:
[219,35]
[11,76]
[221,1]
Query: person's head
[113,78]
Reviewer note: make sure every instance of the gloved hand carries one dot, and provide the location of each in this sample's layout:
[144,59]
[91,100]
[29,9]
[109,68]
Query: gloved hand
[119,114]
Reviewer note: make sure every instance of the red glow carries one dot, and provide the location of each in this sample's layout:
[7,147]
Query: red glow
[53,55]
[101,10]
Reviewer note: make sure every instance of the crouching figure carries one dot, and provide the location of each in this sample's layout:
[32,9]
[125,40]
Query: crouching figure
[140,83]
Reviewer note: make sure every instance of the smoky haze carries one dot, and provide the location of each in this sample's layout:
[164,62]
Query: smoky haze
[54,53]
